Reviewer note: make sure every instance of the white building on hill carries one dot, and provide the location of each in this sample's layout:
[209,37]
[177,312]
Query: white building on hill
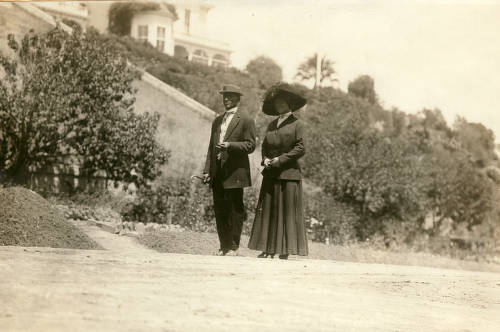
[191,40]
[155,27]
[182,33]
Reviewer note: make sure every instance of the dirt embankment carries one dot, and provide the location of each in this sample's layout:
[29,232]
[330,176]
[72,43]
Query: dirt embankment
[27,219]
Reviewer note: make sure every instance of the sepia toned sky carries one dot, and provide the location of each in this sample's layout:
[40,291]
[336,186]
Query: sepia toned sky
[440,54]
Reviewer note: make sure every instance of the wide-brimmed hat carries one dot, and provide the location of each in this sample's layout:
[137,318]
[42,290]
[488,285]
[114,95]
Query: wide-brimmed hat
[285,90]
[230,88]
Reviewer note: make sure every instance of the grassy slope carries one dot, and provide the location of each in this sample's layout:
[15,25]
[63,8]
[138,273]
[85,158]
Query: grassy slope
[189,242]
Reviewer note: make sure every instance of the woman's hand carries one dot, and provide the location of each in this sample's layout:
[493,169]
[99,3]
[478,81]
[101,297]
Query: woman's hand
[267,163]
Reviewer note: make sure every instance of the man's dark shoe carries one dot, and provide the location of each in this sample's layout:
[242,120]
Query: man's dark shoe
[284,256]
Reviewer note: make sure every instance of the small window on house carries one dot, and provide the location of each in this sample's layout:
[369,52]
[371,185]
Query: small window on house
[143,32]
[219,61]
[200,56]
[160,39]
[187,19]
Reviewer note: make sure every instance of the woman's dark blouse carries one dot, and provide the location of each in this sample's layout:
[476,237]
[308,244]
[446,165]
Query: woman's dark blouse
[287,143]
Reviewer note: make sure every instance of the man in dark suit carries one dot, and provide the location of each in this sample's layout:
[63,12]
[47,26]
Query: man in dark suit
[227,168]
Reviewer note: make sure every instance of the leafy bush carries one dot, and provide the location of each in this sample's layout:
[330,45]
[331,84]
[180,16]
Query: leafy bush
[71,95]
[174,201]
[363,87]
[457,190]
[328,220]
[391,169]
[265,71]
[182,202]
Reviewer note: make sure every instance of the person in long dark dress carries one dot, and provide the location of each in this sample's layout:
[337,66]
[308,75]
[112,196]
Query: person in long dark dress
[279,227]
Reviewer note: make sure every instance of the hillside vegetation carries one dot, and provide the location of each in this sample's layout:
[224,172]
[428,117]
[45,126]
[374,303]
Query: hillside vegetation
[386,177]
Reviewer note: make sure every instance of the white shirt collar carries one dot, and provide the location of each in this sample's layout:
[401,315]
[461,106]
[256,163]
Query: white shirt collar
[232,110]
[283,117]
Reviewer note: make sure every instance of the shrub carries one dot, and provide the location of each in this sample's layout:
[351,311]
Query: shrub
[265,71]
[182,202]
[331,221]
[67,95]
[173,201]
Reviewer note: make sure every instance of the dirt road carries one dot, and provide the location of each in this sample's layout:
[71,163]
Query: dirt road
[129,288]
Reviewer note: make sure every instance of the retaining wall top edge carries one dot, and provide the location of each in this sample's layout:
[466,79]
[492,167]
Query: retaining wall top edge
[176,94]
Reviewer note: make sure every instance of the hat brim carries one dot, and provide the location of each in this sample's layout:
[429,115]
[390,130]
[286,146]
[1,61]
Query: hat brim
[295,102]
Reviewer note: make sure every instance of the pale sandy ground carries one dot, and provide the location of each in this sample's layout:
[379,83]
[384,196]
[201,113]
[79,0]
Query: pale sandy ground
[129,288]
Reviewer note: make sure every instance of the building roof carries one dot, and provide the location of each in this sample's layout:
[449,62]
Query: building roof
[169,9]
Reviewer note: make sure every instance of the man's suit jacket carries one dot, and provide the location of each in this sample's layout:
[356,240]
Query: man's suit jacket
[286,142]
[234,169]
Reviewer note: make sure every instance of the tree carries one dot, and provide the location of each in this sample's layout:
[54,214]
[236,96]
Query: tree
[456,189]
[265,70]
[477,139]
[363,87]
[70,94]
[375,174]
[307,70]
[121,13]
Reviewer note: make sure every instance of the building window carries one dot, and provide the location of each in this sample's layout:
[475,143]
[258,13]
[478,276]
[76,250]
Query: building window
[187,19]
[160,39]
[200,56]
[219,61]
[143,32]
[160,45]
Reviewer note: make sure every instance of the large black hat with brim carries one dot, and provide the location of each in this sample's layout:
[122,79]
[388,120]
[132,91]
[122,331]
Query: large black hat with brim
[230,88]
[286,91]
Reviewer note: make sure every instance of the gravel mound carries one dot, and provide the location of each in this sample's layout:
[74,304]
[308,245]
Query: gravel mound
[27,219]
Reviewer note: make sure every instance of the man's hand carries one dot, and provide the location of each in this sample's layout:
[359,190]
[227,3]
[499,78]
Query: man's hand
[206,178]
[222,146]
[275,162]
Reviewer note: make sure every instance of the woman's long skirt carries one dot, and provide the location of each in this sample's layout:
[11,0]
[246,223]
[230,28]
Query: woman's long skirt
[279,227]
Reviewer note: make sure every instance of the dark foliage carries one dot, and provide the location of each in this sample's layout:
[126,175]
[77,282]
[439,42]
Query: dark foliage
[71,95]
[265,71]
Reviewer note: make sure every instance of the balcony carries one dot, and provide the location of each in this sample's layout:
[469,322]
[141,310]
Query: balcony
[202,42]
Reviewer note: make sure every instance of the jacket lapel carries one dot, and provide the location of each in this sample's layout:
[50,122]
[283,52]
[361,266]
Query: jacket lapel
[217,130]
[232,124]
[287,120]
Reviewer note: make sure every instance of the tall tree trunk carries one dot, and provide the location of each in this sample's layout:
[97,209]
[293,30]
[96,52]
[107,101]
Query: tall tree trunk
[317,79]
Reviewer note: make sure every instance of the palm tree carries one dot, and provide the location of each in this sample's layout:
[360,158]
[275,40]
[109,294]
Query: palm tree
[307,70]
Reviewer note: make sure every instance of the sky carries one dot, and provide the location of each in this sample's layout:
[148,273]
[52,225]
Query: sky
[421,54]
